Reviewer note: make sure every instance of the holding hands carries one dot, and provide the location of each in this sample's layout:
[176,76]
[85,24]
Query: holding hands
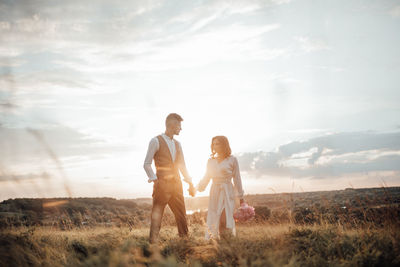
[192,190]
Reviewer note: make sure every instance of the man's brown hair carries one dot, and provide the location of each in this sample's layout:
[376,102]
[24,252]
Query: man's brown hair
[173,116]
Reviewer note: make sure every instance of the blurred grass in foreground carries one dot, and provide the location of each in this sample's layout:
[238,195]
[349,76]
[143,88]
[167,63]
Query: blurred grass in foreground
[255,245]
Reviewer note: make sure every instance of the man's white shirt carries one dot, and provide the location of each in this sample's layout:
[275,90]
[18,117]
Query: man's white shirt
[154,146]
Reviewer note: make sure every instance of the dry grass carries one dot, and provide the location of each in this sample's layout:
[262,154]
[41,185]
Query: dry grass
[117,235]
[255,245]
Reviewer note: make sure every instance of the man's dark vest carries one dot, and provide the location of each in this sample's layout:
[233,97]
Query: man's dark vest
[166,168]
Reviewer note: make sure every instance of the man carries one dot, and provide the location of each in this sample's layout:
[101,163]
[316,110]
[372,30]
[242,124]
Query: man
[167,189]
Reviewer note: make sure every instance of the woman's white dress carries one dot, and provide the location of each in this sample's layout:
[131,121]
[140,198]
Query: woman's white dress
[222,193]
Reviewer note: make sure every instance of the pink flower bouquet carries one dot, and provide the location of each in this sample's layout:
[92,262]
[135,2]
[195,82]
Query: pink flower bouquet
[244,213]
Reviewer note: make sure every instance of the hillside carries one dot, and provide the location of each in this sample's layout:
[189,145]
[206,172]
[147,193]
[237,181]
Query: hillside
[347,205]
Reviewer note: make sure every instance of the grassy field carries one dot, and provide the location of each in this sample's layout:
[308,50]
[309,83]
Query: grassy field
[335,228]
[256,244]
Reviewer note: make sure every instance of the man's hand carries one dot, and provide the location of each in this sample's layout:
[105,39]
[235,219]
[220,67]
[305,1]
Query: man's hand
[192,190]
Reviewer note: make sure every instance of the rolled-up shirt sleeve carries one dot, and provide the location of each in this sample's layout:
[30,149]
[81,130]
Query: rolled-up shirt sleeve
[237,180]
[152,149]
[182,166]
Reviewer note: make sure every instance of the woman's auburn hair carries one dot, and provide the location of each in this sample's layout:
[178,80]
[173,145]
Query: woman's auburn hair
[225,144]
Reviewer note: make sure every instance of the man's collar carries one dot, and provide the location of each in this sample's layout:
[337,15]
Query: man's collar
[167,136]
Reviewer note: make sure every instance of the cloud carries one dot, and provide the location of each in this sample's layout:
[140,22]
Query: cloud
[23,177]
[9,62]
[202,22]
[232,43]
[309,45]
[395,12]
[197,11]
[71,25]
[19,145]
[327,68]
[341,143]
[327,156]
[56,81]
[126,37]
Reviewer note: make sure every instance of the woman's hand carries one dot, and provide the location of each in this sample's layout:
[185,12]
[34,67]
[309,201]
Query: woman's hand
[192,190]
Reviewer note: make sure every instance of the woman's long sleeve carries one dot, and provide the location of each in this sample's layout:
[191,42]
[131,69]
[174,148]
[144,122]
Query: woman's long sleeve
[237,180]
[206,179]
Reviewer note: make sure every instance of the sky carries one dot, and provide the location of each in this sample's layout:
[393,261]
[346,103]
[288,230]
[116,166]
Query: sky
[307,92]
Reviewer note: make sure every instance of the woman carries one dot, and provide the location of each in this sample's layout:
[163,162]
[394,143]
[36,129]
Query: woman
[221,168]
